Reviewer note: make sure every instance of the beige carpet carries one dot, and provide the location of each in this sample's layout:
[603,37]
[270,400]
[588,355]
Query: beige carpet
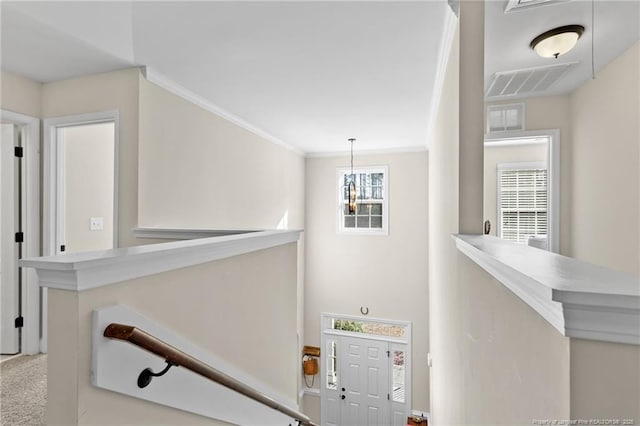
[23,390]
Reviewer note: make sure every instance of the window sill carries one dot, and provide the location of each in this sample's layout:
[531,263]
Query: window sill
[370,232]
[579,299]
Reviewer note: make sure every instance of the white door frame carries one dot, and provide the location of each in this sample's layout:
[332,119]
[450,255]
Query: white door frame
[30,128]
[394,343]
[553,172]
[51,171]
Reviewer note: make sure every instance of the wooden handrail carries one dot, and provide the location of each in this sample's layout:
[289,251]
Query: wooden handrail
[174,356]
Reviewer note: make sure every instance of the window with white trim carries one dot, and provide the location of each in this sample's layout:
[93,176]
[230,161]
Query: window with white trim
[371,215]
[522,201]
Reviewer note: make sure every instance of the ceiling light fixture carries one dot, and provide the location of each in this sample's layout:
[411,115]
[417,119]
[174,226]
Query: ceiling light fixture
[557,41]
[352,185]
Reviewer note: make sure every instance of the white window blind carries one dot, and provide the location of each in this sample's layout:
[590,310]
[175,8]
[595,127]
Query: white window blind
[522,203]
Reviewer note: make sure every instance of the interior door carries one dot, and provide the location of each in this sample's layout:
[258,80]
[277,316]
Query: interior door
[85,193]
[9,213]
[364,369]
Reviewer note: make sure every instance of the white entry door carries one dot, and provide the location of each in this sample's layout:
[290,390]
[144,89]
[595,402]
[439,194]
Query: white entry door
[9,308]
[364,367]
[365,371]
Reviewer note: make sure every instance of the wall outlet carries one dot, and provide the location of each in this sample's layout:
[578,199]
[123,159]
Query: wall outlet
[97,223]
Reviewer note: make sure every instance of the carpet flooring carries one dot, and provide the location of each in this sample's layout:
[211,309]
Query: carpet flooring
[23,390]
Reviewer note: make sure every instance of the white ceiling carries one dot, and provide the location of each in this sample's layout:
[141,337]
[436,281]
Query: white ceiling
[310,74]
[508,35]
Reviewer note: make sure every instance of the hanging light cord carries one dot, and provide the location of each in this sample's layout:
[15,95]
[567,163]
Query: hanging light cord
[351,140]
[593,65]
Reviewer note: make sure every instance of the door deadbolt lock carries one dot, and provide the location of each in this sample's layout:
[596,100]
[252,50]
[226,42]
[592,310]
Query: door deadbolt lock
[343,389]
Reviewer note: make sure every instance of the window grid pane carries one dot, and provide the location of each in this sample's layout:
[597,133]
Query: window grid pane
[368,327]
[370,190]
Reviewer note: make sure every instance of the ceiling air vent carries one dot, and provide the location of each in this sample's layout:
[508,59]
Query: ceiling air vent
[526,81]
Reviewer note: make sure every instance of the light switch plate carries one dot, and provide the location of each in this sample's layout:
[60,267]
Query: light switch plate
[97,223]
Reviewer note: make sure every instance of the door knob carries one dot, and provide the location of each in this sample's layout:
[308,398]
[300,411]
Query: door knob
[342,397]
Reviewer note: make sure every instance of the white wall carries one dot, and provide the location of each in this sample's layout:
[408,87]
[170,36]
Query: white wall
[605,380]
[495,361]
[445,374]
[470,106]
[252,327]
[19,94]
[599,162]
[388,274]
[495,155]
[199,170]
[606,164]
[89,178]
[116,90]
[605,377]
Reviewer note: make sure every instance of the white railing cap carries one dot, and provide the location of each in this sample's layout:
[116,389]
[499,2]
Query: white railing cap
[86,270]
[579,299]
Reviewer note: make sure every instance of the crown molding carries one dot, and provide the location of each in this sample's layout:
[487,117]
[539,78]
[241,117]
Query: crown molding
[166,83]
[384,151]
[450,23]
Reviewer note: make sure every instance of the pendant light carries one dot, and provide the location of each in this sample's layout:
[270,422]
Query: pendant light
[352,185]
[557,41]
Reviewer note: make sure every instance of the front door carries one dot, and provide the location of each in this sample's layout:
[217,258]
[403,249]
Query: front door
[365,371]
[364,368]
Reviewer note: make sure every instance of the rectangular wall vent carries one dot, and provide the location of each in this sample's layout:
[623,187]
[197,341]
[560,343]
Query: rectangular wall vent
[526,81]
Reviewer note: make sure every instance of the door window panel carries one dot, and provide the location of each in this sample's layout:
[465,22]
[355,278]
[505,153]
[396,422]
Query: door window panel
[398,376]
[332,365]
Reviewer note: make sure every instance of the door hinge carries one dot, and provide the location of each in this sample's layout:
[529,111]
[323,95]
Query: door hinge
[19,322]
[388,397]
[388,354]
[18,151]
[19,237]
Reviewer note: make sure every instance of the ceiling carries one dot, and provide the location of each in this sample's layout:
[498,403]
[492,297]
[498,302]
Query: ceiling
[309,74]
[508,35]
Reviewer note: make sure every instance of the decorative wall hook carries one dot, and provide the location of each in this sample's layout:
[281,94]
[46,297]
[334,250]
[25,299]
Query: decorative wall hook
[364,310]
[147,374]
[487,227]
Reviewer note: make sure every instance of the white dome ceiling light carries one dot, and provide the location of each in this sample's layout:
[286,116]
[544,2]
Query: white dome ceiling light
[557,41]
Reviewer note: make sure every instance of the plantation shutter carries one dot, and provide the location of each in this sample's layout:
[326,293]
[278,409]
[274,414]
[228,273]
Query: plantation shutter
[523,203]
